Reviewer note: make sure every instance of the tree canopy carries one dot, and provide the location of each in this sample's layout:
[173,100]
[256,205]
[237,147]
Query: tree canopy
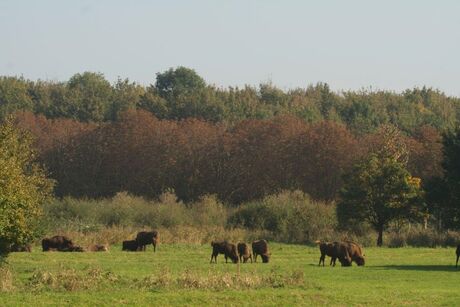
[23,188]
[379,189]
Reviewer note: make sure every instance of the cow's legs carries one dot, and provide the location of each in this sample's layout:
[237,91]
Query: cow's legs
[321,259]
[456,264]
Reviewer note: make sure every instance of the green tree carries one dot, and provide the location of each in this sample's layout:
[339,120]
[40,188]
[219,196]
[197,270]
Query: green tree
[23,188]
[178,82]
[126,96]
[445,195]
[379,188]
[89,97]
[14,95]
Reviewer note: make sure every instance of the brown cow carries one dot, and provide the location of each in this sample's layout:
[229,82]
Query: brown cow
[57,242]
[260,247]
[144,238]
[20,248]
[98,248]
[335,250]
[130,245]
[244,252]
[458,254]
[355,252]
[228,249]
[327,249]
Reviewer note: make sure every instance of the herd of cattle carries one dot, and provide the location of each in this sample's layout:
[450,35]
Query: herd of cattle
[346,252]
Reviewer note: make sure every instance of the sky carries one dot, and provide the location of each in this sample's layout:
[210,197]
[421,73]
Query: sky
[351,45]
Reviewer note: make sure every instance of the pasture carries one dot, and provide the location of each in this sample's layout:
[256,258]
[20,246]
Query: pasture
[181,274]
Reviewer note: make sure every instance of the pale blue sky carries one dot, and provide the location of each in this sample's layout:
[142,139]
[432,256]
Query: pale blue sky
[392,44]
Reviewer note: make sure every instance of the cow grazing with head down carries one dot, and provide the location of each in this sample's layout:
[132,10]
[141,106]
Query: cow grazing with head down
[60,243]
[260,247]
[144,238]
[458,255]
[244,252]
[355,252]
[130,246]
[228,249]
[335,250]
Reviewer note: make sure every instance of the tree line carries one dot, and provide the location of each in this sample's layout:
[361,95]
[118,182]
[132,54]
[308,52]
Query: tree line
[145,156]
[180,93]
[379,155]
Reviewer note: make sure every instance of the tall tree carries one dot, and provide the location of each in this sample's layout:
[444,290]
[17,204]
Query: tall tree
[379,189]
[14,95]
[451,182]
[23,188]
[89,97]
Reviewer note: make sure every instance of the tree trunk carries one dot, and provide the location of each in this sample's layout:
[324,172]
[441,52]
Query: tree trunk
[380,238]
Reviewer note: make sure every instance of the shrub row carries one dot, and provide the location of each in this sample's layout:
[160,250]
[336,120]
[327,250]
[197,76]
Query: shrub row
[290,217]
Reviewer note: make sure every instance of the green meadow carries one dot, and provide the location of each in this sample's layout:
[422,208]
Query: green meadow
[182,274]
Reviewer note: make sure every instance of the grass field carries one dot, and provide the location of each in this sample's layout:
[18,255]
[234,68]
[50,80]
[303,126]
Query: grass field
[181,274]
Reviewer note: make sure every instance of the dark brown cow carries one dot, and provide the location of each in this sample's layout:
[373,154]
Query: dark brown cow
[228,249]
[20,248]
[355,252]
[327,249]
[130,245]
[57,242]
[335,250]
[260,247]
[144,238]
[244,252]
[458,255]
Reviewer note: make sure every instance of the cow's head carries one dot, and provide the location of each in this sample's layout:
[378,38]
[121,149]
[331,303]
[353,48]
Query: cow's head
[360,260]
[265,258]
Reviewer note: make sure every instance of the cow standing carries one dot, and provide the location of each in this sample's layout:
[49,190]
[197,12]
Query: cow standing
[355,252]
[244,252]
[260,247]
[144,238]
[228,249]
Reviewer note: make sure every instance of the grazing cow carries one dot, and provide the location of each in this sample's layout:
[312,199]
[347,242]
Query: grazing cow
[335,250]
[355,252]
[228,249]
[327,249]
[260,247]
[98,248]
[458,255]
[130,245]
[244,252]
[144,238]
[20,248]
[57,242]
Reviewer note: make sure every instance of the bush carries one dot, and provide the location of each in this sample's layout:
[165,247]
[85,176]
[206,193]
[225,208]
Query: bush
[396,240]
[291,216]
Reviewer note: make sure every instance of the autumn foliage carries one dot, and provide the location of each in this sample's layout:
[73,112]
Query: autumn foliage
[146,156]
